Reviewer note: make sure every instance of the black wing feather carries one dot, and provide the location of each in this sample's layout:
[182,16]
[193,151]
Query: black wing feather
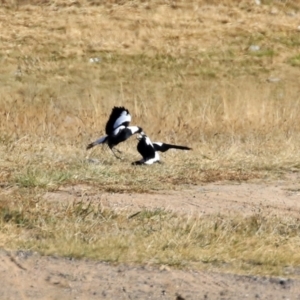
[115,114]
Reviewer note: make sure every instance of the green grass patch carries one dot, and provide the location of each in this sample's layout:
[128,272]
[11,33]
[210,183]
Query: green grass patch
[294,61]
[31,178]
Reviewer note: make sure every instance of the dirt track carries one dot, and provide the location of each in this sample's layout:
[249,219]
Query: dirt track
[26,275]
[30,276]
[276,197]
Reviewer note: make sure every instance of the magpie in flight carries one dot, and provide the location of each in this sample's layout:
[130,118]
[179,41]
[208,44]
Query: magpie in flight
[149,150]
[117,129]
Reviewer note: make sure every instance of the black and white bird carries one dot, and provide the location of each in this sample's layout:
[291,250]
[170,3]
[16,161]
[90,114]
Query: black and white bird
[149,150]
[117,129]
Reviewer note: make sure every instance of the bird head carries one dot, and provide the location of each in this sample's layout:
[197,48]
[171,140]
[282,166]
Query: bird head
[141,135]
[140,130]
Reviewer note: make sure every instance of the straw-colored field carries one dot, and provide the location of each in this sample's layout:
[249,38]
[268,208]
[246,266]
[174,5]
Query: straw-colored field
[220,77]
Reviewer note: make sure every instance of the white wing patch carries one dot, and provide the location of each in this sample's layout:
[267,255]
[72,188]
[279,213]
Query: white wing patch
[118,129]
[124,117]
[148,141]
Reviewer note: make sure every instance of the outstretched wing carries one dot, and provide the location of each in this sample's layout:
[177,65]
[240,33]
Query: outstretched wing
[119,116]
[165,147]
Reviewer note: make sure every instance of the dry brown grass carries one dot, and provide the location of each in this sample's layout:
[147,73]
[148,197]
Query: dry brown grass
[257,244]
[183,69]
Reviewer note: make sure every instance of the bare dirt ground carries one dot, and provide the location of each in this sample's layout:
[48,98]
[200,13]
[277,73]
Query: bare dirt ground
[27,275]
[274,197]
[30,276]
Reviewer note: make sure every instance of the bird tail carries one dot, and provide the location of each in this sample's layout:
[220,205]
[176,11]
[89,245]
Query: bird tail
[102,140]
[178,147]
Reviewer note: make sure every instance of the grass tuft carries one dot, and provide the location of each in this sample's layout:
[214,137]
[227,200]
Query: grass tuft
[294,61]
[255,244]
[32,178]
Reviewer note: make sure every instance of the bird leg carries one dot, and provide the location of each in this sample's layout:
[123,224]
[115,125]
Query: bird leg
[112,150]
[118,150]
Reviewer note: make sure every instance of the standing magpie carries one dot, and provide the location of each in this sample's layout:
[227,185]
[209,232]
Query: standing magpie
[149,150]
[146,149]
[117,129]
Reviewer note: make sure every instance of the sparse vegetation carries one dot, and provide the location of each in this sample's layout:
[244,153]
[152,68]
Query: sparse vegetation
[256,244]
[295,61]
[185,72]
